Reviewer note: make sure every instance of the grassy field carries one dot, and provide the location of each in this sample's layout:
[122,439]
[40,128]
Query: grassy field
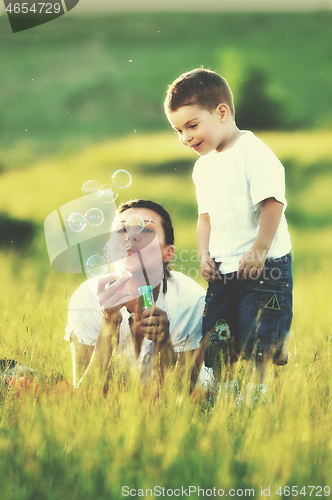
[77,80]
[58,444]
[81,98]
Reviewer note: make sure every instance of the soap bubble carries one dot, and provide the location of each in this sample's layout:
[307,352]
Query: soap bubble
[76,222]
[108,193]
[121,178]
[125,245]
[96,265]
[134,224]
[94,217]
[90,190]
[146,217]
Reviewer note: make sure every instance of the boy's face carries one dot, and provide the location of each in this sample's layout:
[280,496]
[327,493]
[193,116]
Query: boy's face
[198,128]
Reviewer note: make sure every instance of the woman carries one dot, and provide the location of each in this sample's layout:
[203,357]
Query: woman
[106,314]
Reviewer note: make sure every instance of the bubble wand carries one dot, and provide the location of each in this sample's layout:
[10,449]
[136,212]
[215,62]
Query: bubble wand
[143,269]
[145,292]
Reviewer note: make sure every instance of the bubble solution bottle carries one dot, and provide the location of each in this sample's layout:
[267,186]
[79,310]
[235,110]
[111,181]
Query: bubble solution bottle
[146,294]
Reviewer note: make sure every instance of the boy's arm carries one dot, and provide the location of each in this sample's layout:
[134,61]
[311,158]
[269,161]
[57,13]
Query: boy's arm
[252,262]
[209,269]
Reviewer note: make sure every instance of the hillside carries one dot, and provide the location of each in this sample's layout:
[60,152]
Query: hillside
[82,79]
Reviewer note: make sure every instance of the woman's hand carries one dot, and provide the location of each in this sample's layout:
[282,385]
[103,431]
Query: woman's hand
[110,293]
[154,323]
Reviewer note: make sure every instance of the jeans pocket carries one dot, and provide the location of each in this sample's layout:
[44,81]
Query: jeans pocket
[272,295]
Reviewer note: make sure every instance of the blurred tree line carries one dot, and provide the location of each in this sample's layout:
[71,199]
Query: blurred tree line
[257,108]
[81,79]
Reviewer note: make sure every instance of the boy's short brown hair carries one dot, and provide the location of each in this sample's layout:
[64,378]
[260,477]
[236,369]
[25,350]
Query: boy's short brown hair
[202,87]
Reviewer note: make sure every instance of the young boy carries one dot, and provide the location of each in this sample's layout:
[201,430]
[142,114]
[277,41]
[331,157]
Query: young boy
[243,241]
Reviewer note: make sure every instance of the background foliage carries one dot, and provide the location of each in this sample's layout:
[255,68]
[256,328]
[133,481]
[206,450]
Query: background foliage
[81,79]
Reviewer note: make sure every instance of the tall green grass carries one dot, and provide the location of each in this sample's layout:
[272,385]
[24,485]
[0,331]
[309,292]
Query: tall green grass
[84,445]
[56,443]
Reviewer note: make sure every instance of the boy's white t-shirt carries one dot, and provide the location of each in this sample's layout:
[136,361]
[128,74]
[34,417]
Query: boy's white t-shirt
[183,302]
[230,187]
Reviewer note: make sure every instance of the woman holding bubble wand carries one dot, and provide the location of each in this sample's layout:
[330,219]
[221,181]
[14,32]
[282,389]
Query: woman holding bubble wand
[106,317]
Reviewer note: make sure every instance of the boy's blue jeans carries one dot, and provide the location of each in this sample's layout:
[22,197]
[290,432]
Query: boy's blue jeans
[247,318]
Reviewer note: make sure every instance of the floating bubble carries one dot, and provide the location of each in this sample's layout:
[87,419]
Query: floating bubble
[90,190]
[94,217]
[125,245]
[76,222]
[96,265]
[134,224]
[122,179]
[108,193]
[146,217]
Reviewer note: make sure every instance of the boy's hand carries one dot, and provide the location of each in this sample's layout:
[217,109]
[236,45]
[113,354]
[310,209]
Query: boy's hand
[251,264]
[209,269]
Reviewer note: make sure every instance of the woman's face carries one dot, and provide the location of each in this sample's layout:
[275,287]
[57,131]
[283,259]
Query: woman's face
[137,240]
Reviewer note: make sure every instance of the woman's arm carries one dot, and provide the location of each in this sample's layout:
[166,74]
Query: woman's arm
[164,357]
[90,363]
[96,371]
[154,325]
[81,356]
